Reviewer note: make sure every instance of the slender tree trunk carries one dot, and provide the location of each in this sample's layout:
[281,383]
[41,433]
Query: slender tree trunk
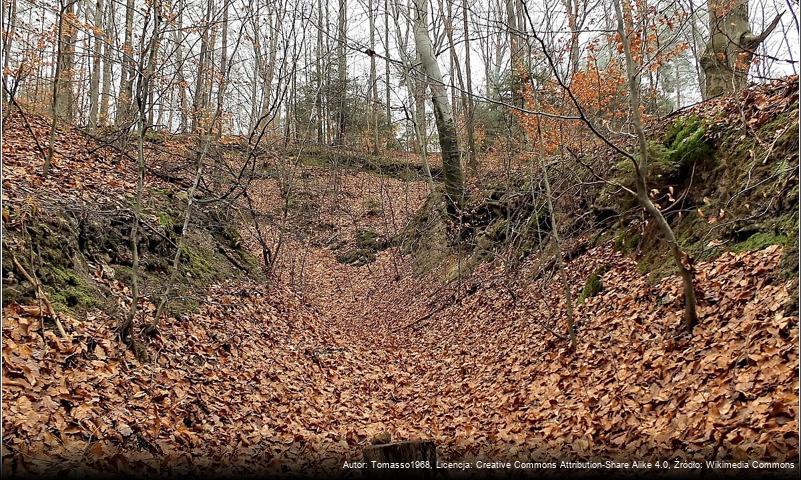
[342,87]
[125,96]
[695,46]
[178,38]
[105,94]
[373,84]
[560,263]
[472,161]
[223,75]
[318,97]
[641,175]
[8,39]
[142,92]
[386,67]
[448,141]
[94,89]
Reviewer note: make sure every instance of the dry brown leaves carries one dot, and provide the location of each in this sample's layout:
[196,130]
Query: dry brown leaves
[258,380]
[266,378]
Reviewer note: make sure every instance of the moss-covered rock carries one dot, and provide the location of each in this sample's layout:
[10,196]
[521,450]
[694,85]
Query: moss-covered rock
[594,284]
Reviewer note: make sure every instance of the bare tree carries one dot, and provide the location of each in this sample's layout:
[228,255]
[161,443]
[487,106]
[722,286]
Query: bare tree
[443,115]
[472,161]
[681,259]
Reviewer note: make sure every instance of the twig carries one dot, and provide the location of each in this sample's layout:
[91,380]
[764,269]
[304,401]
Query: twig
[40,294]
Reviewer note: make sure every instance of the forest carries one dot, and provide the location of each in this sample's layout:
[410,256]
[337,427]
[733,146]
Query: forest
[390,238]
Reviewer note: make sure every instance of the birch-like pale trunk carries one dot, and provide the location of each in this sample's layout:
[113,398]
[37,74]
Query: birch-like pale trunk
[443,115]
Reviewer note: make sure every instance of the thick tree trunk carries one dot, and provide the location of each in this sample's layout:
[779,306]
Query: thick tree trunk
[514,52]
[200,100]
[731,47]
[443,115]
[571,11]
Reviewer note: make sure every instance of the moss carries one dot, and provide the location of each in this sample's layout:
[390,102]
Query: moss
[760,240]
[372,206]
[627,242]
[357,256]
[166,221]
[594,284]
[368,239]
[196,264]
[670,158]
[69,291]
[683,145]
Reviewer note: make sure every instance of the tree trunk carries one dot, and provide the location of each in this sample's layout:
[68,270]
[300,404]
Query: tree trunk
[8,37]
[514,52]
[386,67]
[199,102]
[472,161]
[269,70]
[178,38]
[223,71]
[731,47]
[105,94]
[641,177]
[318,96]
[342,90]
[63,102]
[571,11]
[373,96]
[128,65]
[443,115]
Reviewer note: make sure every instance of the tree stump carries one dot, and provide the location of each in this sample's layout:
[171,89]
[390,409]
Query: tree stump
[415,459]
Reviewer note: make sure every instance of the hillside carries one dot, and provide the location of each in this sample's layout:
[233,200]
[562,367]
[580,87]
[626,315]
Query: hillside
[362,327]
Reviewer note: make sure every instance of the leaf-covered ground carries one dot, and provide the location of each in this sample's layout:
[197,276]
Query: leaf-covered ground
[300,372]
